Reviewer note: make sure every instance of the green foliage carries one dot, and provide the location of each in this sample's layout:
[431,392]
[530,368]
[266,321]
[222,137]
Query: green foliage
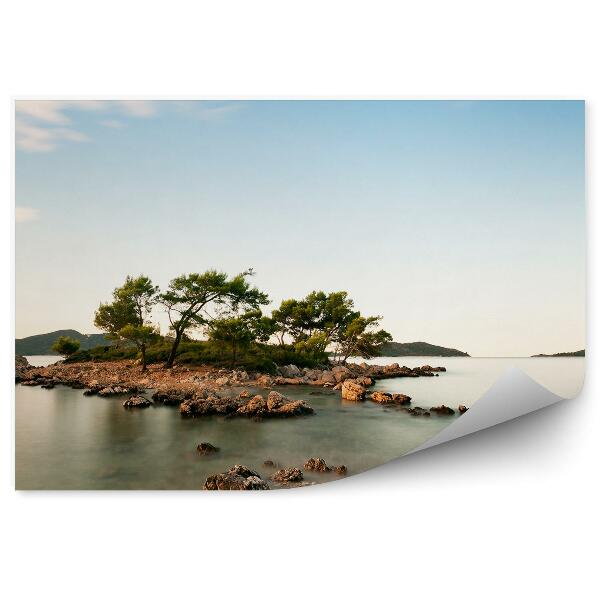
[65,346]
[360,338]
[197,299]
[126,317]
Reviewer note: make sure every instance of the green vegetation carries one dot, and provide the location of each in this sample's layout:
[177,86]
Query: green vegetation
[126,318]
[192,300]
[226,311]
[418,349]
[65,346]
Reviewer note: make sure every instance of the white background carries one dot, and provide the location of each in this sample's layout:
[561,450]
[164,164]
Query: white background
[507,513]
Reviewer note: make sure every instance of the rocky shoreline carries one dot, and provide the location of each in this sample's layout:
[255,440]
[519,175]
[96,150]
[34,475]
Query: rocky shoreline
[206,390]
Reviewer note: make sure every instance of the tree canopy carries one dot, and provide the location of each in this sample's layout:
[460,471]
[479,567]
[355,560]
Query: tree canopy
[65,346]
[127,316]
[196,299]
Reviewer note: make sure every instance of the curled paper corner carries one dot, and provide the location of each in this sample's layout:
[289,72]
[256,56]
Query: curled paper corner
[513,394]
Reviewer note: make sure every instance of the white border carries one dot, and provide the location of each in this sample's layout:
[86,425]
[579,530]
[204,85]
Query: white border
[509,512]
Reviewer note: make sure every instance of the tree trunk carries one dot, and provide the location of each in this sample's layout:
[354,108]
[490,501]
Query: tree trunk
[143,352]
[171,359]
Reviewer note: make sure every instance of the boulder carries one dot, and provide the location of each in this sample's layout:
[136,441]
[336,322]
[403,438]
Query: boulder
[21,367]
[316,464]
[341,373]
[237,477]
[212,405]
[328,377]
[293,409]
[137,402]
[290,371]
[275,400]
[381,397]
[264,381]
[401,399]
[255,405]
[352,391]
[206,448]
[442,410]
[289,475]
[313,374]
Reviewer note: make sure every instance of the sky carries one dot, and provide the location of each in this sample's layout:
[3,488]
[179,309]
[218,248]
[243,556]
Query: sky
[462,223]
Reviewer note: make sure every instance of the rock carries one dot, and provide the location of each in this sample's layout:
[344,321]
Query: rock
[268,463]
[288,475]
[208,406]
[48,386]
[206,448]
[313,374]
[462,409]
[244,394]
[223,381]
[253,406]
[264,381]
[290,371]
[237,477]
[294,409]
[275,400]
[364,381]
[21,367]
[381,397]
[114,390]
[175,396]
[385,398]
[316,464]
[352,391]
[136,402]
[341,373]
[442,410]
[328,377]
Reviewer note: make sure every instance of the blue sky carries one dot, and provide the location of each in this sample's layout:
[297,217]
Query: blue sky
[462,223]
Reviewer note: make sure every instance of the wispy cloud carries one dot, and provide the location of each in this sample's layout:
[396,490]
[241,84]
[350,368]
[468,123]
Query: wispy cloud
[41,125]
[209,110]
[35,138]
[26,213]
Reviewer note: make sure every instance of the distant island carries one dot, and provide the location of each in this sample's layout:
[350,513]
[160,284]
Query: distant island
[418,349]
[42,343]
[577,353]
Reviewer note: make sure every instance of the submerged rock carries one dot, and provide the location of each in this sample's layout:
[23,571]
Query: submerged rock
[442,410]
[316,464]
[289,475]
[319,465]
[237,477]
[206,448]
[137,402]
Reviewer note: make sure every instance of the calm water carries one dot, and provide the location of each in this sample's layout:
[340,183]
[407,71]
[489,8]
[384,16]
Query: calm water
[65,440]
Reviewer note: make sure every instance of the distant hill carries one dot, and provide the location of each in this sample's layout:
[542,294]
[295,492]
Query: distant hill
[577,353]
[418,349]
[42,343]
